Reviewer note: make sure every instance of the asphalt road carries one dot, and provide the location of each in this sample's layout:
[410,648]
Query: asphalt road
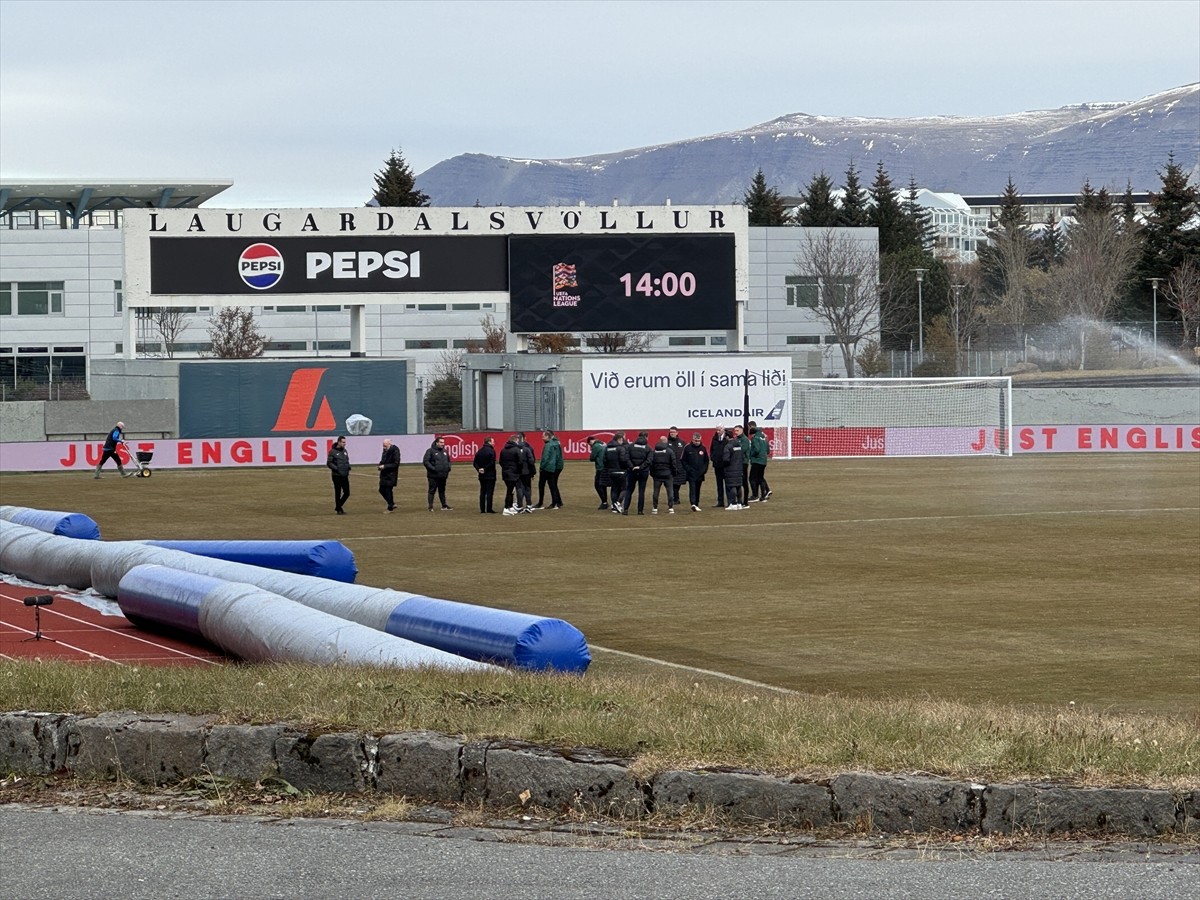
[68,852]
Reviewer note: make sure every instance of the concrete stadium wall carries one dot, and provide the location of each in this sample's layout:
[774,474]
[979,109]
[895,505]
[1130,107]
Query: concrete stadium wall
[156,415]
[1106,406]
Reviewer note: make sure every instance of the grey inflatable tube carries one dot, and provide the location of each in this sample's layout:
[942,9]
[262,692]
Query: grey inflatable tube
[258,626]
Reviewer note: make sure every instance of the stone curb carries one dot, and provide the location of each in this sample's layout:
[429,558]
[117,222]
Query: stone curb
[432,767]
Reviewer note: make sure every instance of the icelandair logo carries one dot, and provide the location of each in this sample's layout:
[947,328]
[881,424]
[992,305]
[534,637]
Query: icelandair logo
[301,404]
[776,412]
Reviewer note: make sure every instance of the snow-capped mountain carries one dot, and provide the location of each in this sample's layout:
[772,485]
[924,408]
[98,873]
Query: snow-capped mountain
[1110,144]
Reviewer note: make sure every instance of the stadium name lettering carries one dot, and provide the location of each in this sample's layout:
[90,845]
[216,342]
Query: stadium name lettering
[441,221]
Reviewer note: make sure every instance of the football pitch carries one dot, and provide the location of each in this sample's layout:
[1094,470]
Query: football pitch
[1036,581]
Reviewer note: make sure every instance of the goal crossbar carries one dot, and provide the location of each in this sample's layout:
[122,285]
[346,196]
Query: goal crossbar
[900,417]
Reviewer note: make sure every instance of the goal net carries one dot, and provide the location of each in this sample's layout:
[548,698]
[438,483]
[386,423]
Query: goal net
[900,417]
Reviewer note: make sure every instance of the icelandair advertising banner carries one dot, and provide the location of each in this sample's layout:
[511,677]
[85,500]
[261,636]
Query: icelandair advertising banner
[293,398]
[693,393]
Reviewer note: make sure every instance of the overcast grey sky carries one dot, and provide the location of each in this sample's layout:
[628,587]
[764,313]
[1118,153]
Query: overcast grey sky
[299,102]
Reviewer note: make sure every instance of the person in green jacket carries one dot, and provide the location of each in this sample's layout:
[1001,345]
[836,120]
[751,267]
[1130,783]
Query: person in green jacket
[549,470]
[596,457]
[760,454]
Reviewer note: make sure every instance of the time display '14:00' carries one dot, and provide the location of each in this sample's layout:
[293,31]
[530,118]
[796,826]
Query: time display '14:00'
[669,284]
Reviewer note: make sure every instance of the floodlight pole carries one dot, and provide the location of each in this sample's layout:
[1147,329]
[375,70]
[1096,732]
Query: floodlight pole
[957,346]
[920,314]
[1154,306]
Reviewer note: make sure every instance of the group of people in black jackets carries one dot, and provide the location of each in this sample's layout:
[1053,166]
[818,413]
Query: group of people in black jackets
[736,460]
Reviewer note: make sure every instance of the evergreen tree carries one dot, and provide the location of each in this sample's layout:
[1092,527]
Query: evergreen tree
[818,209]
[1170,236]
[917,219]
[1013,214]
[886,215]
[764,205]
[1091,201]
[852,212]
[395,184]
[1048,245]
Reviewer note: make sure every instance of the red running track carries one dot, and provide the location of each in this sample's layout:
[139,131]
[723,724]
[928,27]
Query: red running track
[84,634]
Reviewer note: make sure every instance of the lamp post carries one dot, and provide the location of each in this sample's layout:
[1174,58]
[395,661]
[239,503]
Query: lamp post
[957,337]
[1154,313]
[316,332]
[920,314]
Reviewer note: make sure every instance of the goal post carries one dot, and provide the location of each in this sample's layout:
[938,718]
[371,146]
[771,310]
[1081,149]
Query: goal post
[900,417]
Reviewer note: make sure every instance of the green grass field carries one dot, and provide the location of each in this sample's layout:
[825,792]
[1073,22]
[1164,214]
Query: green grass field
[1032,582]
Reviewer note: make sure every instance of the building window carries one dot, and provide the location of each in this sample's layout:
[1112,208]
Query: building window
[431,344]
[286,309]
[803,339]
[119,295]
[331,345]
[33,298]
[717,340]
[685,340]
[803,291]
[461,343]
[808,291]
[461,306]
[285,345]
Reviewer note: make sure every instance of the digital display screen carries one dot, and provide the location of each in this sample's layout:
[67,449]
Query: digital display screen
[650,283]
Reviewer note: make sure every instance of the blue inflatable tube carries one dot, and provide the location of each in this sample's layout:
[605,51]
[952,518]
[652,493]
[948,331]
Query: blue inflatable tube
[322,559]
[64,524]
[491,635]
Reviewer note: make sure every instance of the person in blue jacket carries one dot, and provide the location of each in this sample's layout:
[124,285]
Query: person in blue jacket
[115,439]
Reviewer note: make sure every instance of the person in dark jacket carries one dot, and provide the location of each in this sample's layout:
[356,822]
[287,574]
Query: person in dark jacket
[695,466]
[549,469]
[616,464]
[716,455]
[510,472]
[437,471]
[389,469]
[528,469]
[734,454]
[114,439]
[338,462]
[675,442]
[664,466]
[484,465]
[639,473]
[596,458]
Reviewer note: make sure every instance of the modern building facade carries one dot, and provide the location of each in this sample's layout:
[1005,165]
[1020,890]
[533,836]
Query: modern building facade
[75,283]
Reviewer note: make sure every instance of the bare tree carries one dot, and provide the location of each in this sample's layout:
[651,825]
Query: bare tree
[964,311]
[551,342]
[1010,252]
[1099,260]
[234,334]
[495,337]
[844,290]
[620,341]
[1183,293]
[448,367]
[170,322]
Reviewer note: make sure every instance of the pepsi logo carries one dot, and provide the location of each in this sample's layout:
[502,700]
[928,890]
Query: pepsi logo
[261,266]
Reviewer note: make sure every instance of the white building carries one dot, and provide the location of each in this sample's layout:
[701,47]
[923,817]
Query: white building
[66,294]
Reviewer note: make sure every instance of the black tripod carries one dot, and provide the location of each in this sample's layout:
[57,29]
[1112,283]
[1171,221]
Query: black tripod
[37,601]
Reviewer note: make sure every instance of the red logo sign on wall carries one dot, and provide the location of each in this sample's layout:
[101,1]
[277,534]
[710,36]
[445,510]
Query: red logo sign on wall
[301,400]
